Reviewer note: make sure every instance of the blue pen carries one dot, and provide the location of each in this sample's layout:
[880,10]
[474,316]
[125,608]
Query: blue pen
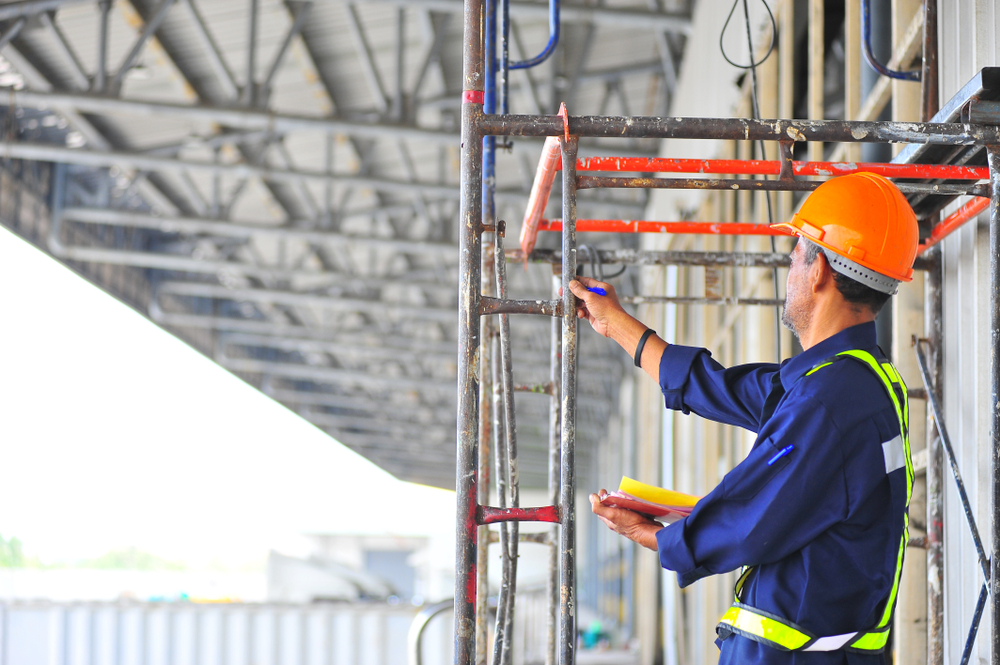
[781,453]
[598,290]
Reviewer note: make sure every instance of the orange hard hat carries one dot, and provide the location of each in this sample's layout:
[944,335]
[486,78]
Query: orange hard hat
[866,226]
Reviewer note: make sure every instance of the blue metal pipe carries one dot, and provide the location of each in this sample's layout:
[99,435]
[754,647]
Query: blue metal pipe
[504,54]
[553,38]
[489,106]
[866,49]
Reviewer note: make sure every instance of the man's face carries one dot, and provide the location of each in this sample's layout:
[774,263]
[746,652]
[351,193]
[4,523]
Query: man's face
[796,314]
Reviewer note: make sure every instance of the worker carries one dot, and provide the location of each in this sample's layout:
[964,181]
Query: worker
[816,515]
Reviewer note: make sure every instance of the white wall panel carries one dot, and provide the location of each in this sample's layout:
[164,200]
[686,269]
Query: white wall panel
[967,42]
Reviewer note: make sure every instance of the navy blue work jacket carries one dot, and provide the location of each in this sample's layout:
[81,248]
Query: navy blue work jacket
[822,523]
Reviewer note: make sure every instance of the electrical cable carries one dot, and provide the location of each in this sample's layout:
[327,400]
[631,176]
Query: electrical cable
[596,264]
[756,114]
[770,49]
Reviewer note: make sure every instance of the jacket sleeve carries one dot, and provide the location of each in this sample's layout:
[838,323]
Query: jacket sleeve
[691,380]
[769,506]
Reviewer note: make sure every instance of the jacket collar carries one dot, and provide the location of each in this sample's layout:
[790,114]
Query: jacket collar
[861,336]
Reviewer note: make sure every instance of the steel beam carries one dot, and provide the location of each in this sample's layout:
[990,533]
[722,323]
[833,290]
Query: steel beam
[52,153]
[148,30]
[357,404]
[13,31]
[266,121]
[298,21]
[381,423]
[75,67]
[394,348]
[212,53]
[368,67]
[101,76]
[372,347]
[334,375]
[235,118]
[442,413]
[33,7]
[232,324]
[297,299]
[292,230]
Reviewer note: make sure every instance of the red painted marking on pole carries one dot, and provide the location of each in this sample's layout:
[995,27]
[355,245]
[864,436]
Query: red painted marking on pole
[956,219]
[491,514]
[772,167]
[473,96]
[638,226]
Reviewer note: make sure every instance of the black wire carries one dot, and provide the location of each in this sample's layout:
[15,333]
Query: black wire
[617,274]
[596,264]
[770,49]
[756,114]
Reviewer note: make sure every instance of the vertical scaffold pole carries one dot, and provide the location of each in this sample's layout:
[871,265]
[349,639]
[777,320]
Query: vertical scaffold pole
[488,282]
[993,155]
[567,490]
[470,257]
[555,436]
[935,469]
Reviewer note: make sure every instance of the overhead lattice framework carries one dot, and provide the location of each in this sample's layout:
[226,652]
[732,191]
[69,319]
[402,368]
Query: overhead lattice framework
[299,224]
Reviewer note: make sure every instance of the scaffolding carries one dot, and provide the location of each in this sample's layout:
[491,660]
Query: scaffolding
[483,293]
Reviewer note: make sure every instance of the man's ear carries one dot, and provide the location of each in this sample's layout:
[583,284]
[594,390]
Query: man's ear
[820,273]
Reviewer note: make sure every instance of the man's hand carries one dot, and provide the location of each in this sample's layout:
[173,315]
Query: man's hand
[599,310]
[632,525]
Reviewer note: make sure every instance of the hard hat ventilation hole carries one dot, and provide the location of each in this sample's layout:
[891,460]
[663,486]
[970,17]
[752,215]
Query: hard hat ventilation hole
[861,274]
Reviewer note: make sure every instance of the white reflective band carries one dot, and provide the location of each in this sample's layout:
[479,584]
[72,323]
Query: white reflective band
[831,643]
[893,453]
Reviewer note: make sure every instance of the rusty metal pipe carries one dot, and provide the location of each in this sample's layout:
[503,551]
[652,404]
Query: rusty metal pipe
[639,257]
[470,268]
[505,306]
[555,406]
[743,129]
[486,411]
[510,430]
[595,182]
[993,159]
[695,300]
[933,327]
[567,490]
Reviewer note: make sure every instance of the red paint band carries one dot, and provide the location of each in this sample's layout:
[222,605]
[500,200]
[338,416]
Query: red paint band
[473,97]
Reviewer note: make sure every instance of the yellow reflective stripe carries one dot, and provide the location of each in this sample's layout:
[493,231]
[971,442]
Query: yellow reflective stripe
[870,360]
[744,574]
[767,629]
[884,371]
[818,368]
[870,641]
[902,411]
[894,374]
[887,612]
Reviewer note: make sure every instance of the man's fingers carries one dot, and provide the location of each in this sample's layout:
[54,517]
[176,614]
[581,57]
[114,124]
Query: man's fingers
[608,523]
[578,288]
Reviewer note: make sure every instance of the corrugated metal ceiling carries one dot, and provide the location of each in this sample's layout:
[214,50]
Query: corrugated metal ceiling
[352,330]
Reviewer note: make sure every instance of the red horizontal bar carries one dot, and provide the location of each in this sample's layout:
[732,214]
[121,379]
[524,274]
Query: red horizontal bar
[773,167]
[639,226]
[490,514]
[956,219]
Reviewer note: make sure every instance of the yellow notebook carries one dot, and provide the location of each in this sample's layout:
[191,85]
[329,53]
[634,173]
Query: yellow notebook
[655,494]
